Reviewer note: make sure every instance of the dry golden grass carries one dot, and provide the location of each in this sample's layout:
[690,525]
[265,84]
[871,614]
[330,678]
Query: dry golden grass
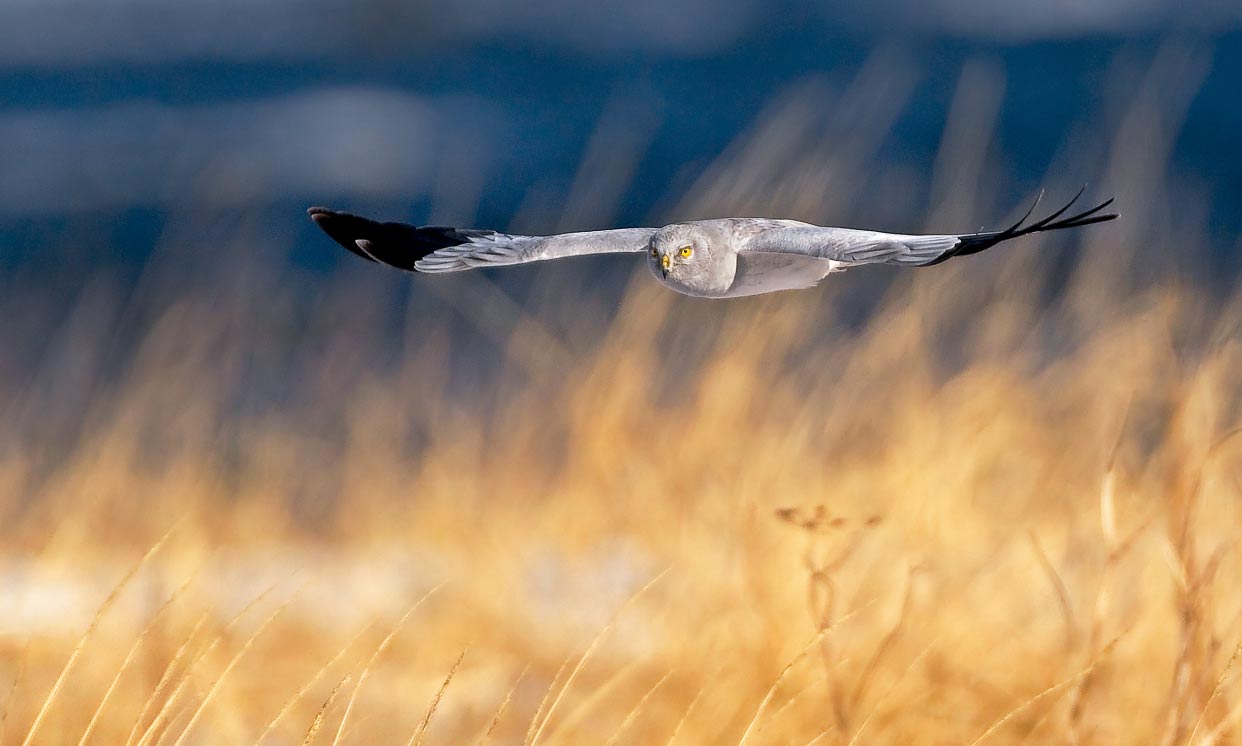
[972,516]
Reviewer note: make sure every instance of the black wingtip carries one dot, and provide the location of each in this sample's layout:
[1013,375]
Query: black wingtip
[396,244]
[320,214]
[1029,211]
[342,228]
[976,242]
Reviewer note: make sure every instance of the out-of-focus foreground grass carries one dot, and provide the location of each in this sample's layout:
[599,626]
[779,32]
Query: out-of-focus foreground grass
[994,501]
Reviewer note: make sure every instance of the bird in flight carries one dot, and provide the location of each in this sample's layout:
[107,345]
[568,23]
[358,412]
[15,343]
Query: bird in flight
[721,258]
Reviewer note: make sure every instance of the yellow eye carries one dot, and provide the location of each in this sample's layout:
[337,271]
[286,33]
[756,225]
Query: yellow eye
[654,253]
[685,252]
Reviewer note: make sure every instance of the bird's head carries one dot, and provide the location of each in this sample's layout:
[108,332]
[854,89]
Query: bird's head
[692,258]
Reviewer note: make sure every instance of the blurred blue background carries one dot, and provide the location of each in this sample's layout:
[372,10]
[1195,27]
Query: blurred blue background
[159,153]
[122,117]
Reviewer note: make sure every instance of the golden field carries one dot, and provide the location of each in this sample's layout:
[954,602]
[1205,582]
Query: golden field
[991,502]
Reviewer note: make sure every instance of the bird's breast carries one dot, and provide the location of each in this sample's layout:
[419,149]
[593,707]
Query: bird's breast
[759,272]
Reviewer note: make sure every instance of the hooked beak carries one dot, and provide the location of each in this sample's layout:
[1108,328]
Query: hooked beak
[665,262]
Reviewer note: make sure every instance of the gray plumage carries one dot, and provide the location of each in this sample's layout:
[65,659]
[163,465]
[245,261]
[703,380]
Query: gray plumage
[722,258]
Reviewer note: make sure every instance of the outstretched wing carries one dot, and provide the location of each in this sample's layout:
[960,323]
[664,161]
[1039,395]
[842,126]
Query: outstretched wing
[853,247]
[436,249]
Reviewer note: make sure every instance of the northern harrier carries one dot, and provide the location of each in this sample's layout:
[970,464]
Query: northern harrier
[722,258]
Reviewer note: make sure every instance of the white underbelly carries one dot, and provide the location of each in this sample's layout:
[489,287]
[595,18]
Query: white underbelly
[759,272]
